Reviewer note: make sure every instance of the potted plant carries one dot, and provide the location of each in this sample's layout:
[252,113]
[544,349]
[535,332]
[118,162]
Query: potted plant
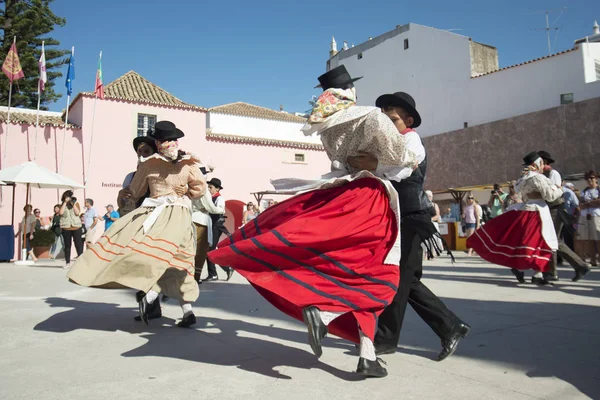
[42,242]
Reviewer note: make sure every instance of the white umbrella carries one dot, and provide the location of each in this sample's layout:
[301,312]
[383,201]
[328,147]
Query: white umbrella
[31,174]
[2,183]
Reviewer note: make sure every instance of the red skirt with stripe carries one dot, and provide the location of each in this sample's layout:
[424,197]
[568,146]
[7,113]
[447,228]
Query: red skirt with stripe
[324,248]
[513,239]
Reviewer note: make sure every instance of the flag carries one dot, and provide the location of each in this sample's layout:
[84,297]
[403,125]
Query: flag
[99,89]
[71,73]
[42,64]
[12,66]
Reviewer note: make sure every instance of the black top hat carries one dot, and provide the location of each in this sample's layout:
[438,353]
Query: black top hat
[546,156]
[144,139]
[530,158]
[216,182]
[403,100]
[337,78]
[164,131]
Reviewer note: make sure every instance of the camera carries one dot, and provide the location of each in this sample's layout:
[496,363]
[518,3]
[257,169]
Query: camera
[73,200]
[493,192]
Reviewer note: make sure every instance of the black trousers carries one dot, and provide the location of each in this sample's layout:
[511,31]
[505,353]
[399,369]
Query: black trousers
[411,290]
[217,230]
[70,237]
[559,216]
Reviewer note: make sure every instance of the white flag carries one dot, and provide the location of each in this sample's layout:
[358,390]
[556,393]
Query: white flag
[42,64]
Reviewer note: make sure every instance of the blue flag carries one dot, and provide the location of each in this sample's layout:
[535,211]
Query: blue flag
[71,73]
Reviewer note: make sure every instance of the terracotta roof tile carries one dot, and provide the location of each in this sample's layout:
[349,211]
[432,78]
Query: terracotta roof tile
[249,110]
[133,87]
[220,137]
[524,63]
[30,118]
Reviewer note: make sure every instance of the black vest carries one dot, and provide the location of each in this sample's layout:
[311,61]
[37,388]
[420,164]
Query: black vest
[410,191]
[215,217]
[557,202]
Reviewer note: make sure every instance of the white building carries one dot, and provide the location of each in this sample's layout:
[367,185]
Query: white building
[456,82]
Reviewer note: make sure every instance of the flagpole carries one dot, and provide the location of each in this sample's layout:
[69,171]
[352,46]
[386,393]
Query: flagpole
[8,117]
[92,133]
[37,118]
[66,122]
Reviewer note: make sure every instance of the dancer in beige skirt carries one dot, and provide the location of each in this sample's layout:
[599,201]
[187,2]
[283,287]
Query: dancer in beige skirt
[152,248]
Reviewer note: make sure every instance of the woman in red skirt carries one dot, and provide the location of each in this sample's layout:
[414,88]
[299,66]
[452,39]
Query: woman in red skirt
[523,237]
[329,256]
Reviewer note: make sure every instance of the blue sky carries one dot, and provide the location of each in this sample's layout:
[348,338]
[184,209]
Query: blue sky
[269,53]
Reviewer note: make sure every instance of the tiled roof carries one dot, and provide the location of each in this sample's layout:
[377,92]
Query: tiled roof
[220,137]
[29,119]
[524,63]
[133,87]
[249,110]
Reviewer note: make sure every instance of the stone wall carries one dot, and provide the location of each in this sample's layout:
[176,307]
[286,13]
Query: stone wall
[493,152]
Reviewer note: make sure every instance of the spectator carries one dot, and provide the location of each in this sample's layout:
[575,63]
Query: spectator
[589,221]
[70,225]
[55,227]
[436,218]
[110,216]
[471,218]
[447,216]
[512,198]
[28,224]
[496,202]
[38,219]
[250,213]
[572,206]
[90,222]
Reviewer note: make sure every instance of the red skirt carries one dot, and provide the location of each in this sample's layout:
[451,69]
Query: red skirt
[513,239]
[324,248]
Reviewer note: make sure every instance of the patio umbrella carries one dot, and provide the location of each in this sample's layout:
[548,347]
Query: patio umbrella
[32,174]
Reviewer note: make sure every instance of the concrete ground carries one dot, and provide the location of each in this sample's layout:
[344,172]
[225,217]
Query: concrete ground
[62,341]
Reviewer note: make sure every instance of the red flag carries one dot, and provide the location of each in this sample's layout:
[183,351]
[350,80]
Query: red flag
[99,88]
[12,66]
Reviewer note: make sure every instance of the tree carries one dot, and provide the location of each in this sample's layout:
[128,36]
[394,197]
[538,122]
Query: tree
[31,21]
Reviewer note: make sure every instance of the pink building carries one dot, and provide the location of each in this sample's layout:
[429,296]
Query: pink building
[248,145]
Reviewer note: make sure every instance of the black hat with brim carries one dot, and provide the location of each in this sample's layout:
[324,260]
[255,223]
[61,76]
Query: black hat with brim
[165,131]
[216,182]
[530,158]
[146,140]
[337,78]
[402,100]
[546,156]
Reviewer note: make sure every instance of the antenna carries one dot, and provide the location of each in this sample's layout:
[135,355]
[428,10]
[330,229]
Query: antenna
[548,28]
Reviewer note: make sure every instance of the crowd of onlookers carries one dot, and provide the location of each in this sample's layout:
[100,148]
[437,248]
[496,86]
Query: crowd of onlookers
[71,225]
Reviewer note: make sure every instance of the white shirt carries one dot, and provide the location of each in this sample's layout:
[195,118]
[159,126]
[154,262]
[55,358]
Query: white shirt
[203,206]
[555,177]
[589,195]
[393,173]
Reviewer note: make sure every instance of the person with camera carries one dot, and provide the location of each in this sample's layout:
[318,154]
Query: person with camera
[496,202]
[70,225]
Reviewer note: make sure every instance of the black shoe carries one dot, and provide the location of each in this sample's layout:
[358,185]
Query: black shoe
[230,272]
[139,295]
[317,330]
[540,281]
[371,369]
[580,273]
[380,350]
[143,306]
[520,275]
[187,321]
[153,312]
[449,345]
[210,278]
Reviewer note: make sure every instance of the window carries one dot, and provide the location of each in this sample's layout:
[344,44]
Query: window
[405,44]
[466,124]
[359,56]
[566,98]
[145,122]
[298,157]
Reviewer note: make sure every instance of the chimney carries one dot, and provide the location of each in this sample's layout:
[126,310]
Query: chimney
[596,28]
[333,48]
[345,45]
[370,38]
[281,107]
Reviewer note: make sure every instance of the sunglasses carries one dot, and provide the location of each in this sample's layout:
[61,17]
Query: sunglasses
[470,198]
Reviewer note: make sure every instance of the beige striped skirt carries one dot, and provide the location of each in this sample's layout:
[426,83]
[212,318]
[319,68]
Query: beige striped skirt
[162,259]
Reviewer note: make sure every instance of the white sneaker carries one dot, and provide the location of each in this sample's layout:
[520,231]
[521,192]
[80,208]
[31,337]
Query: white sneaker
[67,266]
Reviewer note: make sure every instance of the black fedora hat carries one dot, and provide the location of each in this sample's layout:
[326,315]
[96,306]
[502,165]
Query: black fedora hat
[164,131]
[337,78]
[546,156]
[144,139]
[530,158]
[403,100]
[216,182]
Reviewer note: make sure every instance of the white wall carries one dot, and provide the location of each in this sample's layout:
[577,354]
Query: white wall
[591,59]
[258,128]
[527,88]
[434,70]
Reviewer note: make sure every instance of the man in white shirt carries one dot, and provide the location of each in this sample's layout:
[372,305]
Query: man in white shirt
[416,228]
[562,221]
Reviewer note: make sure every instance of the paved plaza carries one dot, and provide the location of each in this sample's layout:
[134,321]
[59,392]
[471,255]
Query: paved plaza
[62,341]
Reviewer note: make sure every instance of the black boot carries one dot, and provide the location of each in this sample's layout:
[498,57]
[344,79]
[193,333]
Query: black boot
[143,307]
[187,321]
[371,369]
[230,272]
[317,330]
[580,273]
[450,344]
[520,275]
[153,312]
